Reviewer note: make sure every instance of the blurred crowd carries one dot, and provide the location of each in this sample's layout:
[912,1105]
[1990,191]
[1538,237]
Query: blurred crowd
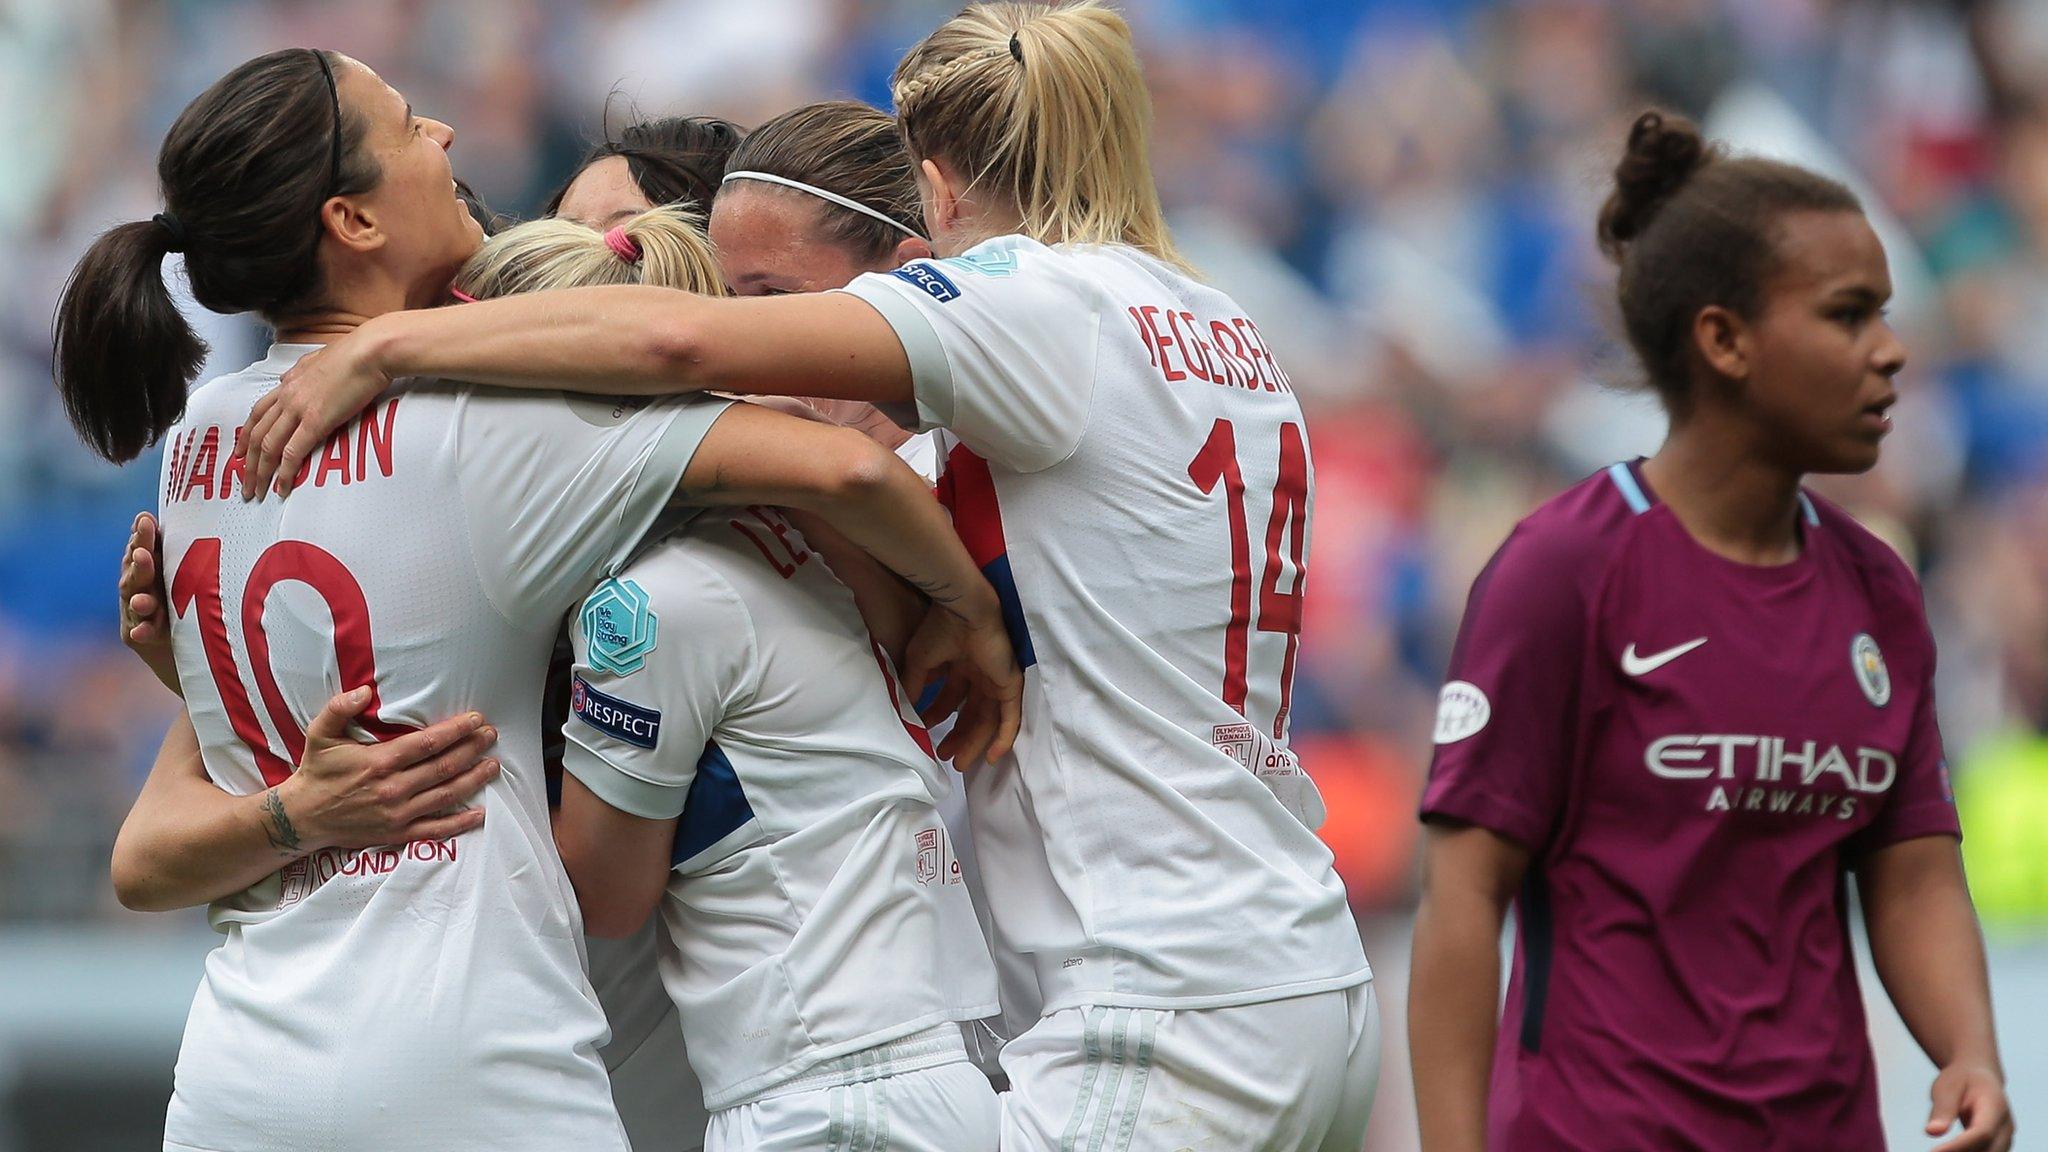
[1401,190]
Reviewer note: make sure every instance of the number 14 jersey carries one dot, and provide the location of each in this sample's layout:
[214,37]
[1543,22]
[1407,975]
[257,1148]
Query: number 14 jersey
[1129,466]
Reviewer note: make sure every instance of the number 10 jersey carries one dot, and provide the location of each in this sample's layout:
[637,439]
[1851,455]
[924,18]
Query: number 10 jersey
[1128,465]
[426,995]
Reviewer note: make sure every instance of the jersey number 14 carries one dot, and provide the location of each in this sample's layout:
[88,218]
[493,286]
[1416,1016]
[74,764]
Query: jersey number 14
[1278,611]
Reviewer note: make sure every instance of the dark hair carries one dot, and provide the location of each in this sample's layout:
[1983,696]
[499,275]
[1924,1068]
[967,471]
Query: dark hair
[842,146]
[244,171]
[1689,226]
[674,160]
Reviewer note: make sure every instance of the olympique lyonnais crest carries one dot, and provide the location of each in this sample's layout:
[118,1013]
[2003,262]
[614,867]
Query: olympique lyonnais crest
[619,627]
[1871,674]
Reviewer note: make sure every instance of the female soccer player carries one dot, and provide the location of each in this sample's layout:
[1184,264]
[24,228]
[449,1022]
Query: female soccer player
[1132,472]
[428,993]
[821,949]
[1687,702]
[673,160]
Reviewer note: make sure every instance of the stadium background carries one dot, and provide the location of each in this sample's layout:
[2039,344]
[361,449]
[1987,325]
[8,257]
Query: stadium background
[1401,190]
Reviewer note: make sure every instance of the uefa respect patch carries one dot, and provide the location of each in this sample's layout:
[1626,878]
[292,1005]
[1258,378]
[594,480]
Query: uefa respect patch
[619,719]
[928,279]
[619,627]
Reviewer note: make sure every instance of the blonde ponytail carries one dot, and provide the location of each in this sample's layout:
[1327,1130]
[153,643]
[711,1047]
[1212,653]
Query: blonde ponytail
[1048,105]
[664,247]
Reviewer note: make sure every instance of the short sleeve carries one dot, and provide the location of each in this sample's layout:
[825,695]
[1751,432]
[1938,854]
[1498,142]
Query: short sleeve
[559,488]
[1508,714]
[1921,801]
[662,652]
[1002,344]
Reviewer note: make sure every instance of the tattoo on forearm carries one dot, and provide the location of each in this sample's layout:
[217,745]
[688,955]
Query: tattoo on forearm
[278,826]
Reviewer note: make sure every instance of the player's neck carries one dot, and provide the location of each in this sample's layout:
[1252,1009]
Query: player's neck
[1737,505]
[352,304]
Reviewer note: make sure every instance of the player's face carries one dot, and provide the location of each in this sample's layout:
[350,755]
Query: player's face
[425,228]
[1824,355]
[604,194]
[772,241]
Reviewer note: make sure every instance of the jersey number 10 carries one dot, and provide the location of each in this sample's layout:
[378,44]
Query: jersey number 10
[1278,611]
[198,582]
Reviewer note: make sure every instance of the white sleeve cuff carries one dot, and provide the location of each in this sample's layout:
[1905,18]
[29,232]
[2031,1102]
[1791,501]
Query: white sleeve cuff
[931,374]
[634,795]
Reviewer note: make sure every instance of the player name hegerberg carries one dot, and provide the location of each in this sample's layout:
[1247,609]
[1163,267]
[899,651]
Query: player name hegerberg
[1763,760]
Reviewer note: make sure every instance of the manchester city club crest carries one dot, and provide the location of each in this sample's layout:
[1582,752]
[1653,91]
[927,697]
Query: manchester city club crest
[618,627]
[1871,675]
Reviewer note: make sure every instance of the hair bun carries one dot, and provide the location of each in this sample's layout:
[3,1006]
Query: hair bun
[1664,151]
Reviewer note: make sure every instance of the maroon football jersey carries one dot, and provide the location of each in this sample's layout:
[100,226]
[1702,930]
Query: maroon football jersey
[1695,751]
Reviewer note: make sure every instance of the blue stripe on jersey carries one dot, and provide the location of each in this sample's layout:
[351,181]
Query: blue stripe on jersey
[1631,491]
[1533,929]
[998,573]
[715,808]
[1812,513]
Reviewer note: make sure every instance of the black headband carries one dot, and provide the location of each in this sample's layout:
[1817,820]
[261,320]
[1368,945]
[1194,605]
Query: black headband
[334,147]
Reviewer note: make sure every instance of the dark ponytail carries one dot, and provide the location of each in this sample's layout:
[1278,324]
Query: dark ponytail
[1690,227]
[244,171]
[124,353]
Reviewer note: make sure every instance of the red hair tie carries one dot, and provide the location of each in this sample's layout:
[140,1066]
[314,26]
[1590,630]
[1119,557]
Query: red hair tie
[622,244]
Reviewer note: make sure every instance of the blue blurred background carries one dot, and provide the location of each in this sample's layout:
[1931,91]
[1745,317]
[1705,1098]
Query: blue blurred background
[1401,190]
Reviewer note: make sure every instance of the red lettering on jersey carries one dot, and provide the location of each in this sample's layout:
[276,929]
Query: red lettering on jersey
[780,528]
[1281,383]
[1255,352]
[334,460]
[1144,337]
[1201,371]
[231,478]
[201,474]
[181,463]
[1163,342]
[1244,373]
[369,438]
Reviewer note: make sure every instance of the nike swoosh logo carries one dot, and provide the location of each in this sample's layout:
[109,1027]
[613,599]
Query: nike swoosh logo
[1636,665]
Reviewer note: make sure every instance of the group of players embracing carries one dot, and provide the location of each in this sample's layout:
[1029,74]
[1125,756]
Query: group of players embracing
[589,578]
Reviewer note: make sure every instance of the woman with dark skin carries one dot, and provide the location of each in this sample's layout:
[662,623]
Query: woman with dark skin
[1688,702]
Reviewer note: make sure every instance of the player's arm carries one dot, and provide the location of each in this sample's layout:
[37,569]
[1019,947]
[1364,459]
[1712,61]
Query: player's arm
[187,842]
[756,456]
[888,606]
[623,340]
[1469,876]
[617,862]
[1929,953]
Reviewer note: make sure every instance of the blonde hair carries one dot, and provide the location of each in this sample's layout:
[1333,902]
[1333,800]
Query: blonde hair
[557,253]
[1048,105]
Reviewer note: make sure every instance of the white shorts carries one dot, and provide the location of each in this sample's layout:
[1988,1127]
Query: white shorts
[1293,1075]
[949,1108]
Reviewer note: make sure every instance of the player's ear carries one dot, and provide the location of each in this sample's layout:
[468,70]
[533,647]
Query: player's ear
[353,223]
[1724,340]
[911,248]
[942,193]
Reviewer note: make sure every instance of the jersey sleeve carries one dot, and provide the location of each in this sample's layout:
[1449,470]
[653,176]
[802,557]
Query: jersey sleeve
[558,488]
[658,661]
[1921,801]
[1508,713]
[1002,344]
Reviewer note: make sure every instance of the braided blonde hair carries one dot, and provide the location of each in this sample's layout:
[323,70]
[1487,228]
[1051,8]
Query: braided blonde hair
[557,253]
[1048,105]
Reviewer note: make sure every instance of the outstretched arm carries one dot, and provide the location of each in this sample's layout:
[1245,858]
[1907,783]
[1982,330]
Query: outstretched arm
[625,340]
[1929,952]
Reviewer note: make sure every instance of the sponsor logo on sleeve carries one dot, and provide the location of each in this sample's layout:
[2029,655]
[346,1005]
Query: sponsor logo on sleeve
[621,720]
[1461,711]
[929,280]
[1871,674]
[619,626]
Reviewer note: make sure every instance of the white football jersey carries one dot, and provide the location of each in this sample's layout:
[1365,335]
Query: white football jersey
[815,909]
[1128,465]
[428,994]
